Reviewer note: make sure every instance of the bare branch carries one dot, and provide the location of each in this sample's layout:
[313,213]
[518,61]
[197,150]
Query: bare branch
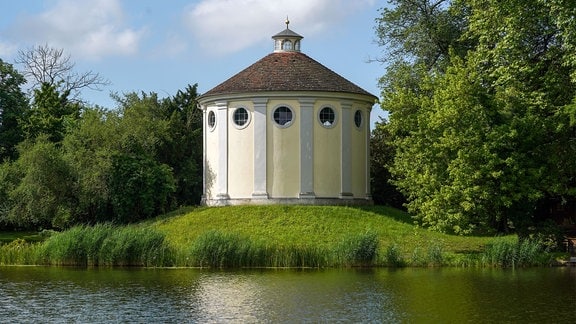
[44,64]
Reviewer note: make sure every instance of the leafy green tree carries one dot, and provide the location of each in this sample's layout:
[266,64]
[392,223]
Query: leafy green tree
[51,114]
[183,152]
[486,137]
[138,160]
[422,32]
[89,147]
[176,140]
[139,187]
[13,105]
[42,187]
[381,156]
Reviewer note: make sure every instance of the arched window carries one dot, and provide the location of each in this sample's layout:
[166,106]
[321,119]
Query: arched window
[287,45]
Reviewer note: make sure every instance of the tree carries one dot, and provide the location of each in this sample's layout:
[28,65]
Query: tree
[41,191]
[486,137]
[88,148]
[183,153]
[47,65]
[138,160]
[381,156]
[13,105]
[171,131]
[89,165]
[139,187]
[421,32]
[51,114]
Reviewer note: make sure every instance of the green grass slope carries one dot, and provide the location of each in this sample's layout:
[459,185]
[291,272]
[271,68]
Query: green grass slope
[320,226]
[271,236]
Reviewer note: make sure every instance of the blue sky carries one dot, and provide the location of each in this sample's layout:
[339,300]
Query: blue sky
[162,46]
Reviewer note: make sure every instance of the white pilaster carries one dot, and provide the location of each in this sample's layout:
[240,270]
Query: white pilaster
[366,127]
[307,148]
[204,155]
[260,162]
[346,152]
[222,175]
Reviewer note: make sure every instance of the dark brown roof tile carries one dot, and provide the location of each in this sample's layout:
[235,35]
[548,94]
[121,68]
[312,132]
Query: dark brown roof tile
[286,71]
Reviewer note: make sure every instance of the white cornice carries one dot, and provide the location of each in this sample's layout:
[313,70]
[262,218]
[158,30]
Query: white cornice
[289,95]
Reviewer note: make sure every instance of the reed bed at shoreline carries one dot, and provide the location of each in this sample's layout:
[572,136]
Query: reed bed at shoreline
[275,236]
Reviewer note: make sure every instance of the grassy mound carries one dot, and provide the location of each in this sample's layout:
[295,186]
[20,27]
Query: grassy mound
[263,236]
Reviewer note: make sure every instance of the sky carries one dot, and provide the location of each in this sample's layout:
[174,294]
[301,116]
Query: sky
[163,46]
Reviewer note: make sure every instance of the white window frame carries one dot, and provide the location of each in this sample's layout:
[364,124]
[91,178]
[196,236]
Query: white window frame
[233,120]
[288,124]
[211,127]
[335,116]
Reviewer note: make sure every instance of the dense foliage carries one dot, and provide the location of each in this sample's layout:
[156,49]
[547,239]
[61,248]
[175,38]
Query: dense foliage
[13,104]
[65,163]
[481,99]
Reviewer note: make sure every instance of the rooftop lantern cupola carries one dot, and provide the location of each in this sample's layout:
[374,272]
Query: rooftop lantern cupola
[287,40]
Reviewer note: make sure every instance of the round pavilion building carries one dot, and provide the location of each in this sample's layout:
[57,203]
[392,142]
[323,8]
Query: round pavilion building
[286,130]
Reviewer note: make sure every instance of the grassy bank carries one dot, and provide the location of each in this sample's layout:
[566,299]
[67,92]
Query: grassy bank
[272,236]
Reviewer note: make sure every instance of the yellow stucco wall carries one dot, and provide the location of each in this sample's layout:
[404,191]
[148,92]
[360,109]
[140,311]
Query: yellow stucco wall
[240,153]
[327,153]
[283,153]
[283,149]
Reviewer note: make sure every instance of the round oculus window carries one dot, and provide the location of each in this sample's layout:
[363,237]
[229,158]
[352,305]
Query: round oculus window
[241,117]
[358,118]
[211,119]
[327,117]
[283,116]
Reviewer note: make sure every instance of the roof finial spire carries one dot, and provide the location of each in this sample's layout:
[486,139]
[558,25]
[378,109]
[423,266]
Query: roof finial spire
[287,22]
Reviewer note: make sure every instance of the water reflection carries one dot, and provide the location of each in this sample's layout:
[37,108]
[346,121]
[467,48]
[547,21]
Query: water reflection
[286,295]
[226,297]
[38,294]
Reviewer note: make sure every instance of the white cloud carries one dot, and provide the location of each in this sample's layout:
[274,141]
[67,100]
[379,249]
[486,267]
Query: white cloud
[228,26]
[90,29]
[7,49]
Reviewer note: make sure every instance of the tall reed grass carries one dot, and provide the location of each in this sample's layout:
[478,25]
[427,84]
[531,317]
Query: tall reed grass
[19,252]
[357,249]
[394,256]
[506,253]
[217,249]
[509,253]
[107,245]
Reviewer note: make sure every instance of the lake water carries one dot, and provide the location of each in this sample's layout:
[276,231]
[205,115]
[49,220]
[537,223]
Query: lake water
[446,295]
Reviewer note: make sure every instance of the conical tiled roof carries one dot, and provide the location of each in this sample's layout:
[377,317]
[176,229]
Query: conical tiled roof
[286,71]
